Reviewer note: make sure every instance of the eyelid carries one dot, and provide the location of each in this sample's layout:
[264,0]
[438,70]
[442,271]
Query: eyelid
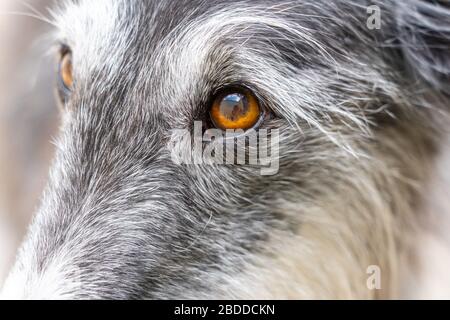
[245,87]
[63,49]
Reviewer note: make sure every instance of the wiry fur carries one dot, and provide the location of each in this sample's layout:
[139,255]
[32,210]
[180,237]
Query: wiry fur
[357,110]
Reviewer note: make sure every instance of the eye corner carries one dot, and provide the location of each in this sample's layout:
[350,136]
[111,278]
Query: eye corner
[63,49]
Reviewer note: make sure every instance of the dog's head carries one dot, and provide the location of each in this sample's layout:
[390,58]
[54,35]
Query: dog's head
[342,91]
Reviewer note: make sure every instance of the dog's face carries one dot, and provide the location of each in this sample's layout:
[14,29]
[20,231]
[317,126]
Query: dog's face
[122,219]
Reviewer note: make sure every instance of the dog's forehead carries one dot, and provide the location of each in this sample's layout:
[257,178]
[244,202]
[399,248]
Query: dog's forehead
[155,39]
[171,52]
[108,26]
[105,30]
[100,31]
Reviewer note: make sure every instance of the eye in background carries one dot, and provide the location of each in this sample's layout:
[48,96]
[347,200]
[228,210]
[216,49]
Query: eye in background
[65,74]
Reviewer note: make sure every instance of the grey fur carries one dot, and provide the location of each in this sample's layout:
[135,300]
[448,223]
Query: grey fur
[359,116]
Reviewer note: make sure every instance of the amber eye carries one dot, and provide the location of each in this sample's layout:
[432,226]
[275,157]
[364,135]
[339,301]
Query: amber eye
[235,109]
[66,73]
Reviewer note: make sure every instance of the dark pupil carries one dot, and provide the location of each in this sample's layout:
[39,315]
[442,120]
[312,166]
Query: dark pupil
[234,106]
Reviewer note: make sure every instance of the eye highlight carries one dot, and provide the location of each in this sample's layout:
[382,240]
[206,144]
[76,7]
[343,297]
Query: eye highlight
[235,108]
[65,73]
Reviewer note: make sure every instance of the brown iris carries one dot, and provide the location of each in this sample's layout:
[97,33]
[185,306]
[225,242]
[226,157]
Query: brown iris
[66,70]
[235,109]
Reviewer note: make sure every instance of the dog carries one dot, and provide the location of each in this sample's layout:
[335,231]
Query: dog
[357,90]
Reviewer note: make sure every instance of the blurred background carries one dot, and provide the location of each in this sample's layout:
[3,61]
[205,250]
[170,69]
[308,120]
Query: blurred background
[28,119]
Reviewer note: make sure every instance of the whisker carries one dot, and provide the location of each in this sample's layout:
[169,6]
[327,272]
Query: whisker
[28,15]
